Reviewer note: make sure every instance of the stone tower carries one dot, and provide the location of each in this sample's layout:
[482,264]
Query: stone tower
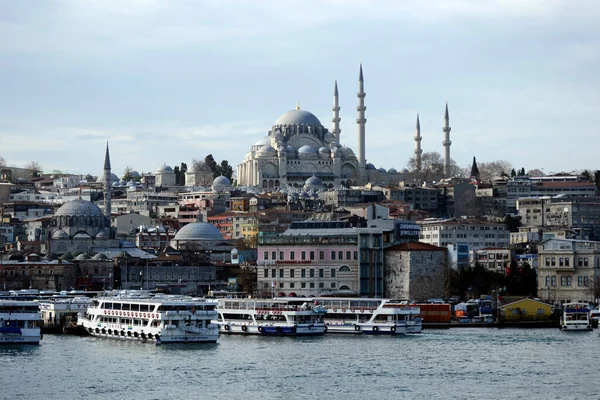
[335,129]
[107,185]
[446,142]
[361,121]
[418,150]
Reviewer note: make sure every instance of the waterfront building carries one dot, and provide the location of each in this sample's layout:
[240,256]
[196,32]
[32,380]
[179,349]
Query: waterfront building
[525,310]
[494,259]
[415,271]
[317,257]
[569,270]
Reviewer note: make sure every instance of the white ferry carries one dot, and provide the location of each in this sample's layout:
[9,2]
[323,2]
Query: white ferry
[19,322]
[576,317]
[60,311]
[368,316]
[269,317]
[152,318]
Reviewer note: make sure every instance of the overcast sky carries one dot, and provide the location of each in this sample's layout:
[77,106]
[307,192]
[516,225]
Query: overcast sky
[170,81]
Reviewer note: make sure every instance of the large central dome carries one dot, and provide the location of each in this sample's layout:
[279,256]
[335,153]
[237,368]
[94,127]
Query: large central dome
[298,117]
[80,208]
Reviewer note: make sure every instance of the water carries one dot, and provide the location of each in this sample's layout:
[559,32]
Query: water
[468,363]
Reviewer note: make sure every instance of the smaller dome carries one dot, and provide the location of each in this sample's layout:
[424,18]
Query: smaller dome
[199,231]
[113,178]
[100,256]
[313,181]
[221,181]
[291,152]
[66,256]
[60,234]
[164,169]
[324,150]
[347,152]
[263,142]
[102,234]
[392,171]
[267,150]
[329,137]
[81,235]
[405,171]
[381,170]
[306,149]
[82,256]
[370,166]
[135,174]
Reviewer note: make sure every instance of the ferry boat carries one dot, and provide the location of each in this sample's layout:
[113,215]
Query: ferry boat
[269,317]
[152,318]
[576,317]
[369,316]
[59,312]
[19,322]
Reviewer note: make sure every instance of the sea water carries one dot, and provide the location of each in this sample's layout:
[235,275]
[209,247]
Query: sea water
[467,363]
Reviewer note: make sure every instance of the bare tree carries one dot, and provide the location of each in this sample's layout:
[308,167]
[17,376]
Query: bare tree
[432,167]
[2,162]
[36,167]
[203,176]
[493,169]
[535,172]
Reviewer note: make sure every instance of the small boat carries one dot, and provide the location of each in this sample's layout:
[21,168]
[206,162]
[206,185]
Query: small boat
[19,322]
[369,316]
[58,312]
[576,317]
[269,317]
[151,318]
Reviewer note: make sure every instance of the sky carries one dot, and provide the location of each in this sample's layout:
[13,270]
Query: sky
[172,81]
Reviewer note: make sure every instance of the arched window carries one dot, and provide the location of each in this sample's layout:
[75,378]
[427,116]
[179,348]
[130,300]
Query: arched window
[344,268]
[344,287]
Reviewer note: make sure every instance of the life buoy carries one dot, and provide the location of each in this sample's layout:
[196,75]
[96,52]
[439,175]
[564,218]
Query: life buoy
[343,310]
[375,329]
[260,329]
[393,329]
[227,327]
[334,310]
[244,328]
[356,328]
[362,310]
[325,330]
[352,309]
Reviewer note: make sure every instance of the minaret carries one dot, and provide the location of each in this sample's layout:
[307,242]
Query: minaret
[335,129]
[418,150]
[474,170]
[446,143]
[361,121]
[107,184]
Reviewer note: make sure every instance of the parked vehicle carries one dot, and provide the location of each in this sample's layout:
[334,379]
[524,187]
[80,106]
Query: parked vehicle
[464,320]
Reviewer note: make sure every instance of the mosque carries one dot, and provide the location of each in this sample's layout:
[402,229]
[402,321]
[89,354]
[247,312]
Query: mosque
[300,152]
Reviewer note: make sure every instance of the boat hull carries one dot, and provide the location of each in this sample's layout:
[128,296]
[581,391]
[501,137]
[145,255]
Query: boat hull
[271,330]
[25,338]
[178,337]
[366,329]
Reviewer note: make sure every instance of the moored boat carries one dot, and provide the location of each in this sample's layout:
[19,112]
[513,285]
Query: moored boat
[576,317]
[369,316]
[269,317]
[19,322]
[58,313]
[152,318]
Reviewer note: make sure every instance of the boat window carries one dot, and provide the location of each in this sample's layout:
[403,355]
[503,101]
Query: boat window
[116,306]
[108,306]
[144,307]
[135,307]
[126,306]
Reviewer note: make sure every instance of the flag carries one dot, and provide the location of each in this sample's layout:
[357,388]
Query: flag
[273,284]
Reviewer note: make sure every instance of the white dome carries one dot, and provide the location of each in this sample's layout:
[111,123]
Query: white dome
[381,170]
[164,169]
[263,142]
[199,231]
[313,181]
[60,234]
[221,181]
[113,178]
[298,117]
[267,150]
[346,152]
[291,152]
[306,149]
[392,171]
[80,208]
[329,137]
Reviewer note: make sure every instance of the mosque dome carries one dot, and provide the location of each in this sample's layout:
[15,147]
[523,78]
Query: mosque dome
[381,170]
[267,150]
[221,181]
[83,256]
[197,231]
[100,256]
[346,152]
[313,182]
[306,150]
[324,152]
[82,236]
[291,152]
[263,142]
[392,171]
[80,207]
[329,137]
[405,171]
[113,178]
[298,117]
[60,234]
[164,169]
[102,234]
[370,166]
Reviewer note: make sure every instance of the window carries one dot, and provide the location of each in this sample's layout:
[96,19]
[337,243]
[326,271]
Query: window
[585,262]
[321,255]
[585,281]
[303,255]
[273,255]
[547,281]
[561,262]
[303,285]
[281,272]
[281,285]
[333,272]
[355,255]
[292,285]
[333,255]
[292,273]
[568,281]
[266,274]
[553,261]
[540,311]
[547,261]
[266,255]
[344,268]
[273,273]
[340,255]
[567,261]
[348,255]
[312,285]
[580,281]
[321,285]
[333,285]
[292,255]
[303,273]
[321,273]
[281,255]
[312,255]
[312,273]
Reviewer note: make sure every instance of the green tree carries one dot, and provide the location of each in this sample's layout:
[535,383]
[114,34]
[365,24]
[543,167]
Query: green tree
[35,167]
[212,165]
[512,223]
[177,174]
[513,173]
[226,169]
[127,174]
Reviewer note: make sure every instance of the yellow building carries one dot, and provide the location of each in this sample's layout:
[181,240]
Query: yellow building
[526,310]
[250,231]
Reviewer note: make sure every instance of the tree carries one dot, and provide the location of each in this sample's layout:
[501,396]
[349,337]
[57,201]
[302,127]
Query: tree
[585,174]
[35,167]
[212,165]
[57,172]
[226,169]
[493,169]
[432,167]
[512,223]
[521,172]
[127,174]
[2,162]
[203,176]
[535,172]
[513,173]
[182,170]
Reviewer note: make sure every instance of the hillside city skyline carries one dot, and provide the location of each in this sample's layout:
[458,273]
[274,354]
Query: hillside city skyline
[165,83]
